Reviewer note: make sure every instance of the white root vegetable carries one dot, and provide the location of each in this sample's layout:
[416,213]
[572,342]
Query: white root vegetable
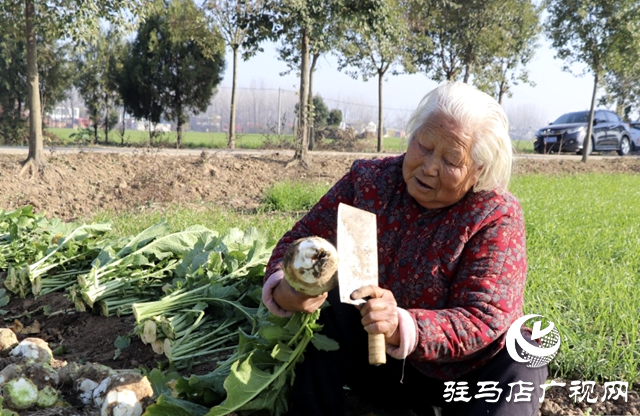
[47,397]
[69,373]
[8,340]
[310,265]
[149,331]
[96,372]
[85,387]
[158,346]
[9,373]
[167,346]
[20,393]
[42,375]
[126,394]
[33,350]
[89,377]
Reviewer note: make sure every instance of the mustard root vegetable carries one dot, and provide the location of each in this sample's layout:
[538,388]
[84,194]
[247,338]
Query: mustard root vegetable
[310,265]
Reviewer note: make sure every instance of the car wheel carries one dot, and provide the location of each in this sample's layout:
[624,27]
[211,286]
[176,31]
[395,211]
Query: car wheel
[625,147]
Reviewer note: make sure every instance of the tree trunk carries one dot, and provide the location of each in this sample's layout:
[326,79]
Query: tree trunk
[380,125]
[71,104]
[123,126]
[95,130]
[180,120]
[36,149]
[467,73]
[311,115]
[586,146]
[302,142]
[232,110]
[106,125]
[150,133]
[502,89]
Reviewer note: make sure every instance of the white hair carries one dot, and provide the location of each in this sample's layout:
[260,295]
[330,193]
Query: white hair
[480,117]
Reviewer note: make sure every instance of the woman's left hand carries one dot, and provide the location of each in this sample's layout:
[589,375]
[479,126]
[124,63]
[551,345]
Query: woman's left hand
[379,313]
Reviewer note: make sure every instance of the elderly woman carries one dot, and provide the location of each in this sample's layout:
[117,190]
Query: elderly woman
[452,270]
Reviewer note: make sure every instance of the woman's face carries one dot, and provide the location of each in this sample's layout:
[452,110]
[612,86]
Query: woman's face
[438,168]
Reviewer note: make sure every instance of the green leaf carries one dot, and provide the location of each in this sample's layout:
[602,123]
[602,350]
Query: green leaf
[282,352]
[4,298]
[324,343]
[122,342]
[170,406]
[160,381]
[139,241]
[244,383]
[274,333]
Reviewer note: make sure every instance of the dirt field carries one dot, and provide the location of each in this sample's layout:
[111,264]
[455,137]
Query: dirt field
[77,185]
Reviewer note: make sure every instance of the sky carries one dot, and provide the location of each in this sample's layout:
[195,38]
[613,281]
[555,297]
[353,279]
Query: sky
[556,92]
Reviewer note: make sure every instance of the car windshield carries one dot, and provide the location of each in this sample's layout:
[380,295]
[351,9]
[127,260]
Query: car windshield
[579,117]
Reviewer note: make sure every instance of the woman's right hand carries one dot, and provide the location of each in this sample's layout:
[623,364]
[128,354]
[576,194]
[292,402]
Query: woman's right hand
[291,300]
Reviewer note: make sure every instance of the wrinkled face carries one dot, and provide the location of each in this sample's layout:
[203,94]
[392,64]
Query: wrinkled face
[438,168]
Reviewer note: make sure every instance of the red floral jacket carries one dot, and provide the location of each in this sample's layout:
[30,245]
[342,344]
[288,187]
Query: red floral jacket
[458,271]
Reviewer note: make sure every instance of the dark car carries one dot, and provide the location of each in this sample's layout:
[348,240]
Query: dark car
[568,132]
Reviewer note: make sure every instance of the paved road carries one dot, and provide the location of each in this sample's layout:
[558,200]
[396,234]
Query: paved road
[23,150]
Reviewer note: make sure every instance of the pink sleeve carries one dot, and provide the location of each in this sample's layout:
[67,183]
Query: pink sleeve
[408,336]
[267,295]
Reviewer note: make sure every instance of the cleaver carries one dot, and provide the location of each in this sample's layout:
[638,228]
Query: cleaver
[358,264]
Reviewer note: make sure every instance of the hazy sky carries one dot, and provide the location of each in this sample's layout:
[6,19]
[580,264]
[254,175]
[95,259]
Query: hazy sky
[556,92]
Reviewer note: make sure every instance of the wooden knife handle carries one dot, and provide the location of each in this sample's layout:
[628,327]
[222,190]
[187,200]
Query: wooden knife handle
[377,349]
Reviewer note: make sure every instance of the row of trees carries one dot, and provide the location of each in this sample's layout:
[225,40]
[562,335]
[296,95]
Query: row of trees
[180,45]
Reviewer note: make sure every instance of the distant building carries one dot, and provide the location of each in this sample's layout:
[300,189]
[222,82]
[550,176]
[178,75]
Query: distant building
[62,117]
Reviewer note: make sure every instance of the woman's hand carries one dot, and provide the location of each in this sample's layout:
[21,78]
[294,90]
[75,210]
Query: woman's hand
[379,313]
[291,300]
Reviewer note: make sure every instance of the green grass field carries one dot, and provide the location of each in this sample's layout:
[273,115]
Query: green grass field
[197,140]
[582,247]
[191,139]
[583,239]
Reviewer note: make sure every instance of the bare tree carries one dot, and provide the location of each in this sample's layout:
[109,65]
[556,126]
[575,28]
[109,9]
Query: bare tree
[230,17]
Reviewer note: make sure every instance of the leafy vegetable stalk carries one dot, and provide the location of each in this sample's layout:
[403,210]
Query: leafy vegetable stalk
[258,375]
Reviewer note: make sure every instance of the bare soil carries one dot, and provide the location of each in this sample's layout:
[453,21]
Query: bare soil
[85,183]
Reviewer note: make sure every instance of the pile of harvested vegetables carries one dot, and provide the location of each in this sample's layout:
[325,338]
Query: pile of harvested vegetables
[195,295]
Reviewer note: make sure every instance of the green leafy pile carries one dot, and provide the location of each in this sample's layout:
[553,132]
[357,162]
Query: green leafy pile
[217,290]
[195,294]
[258,376]
[20,232]
[134,269]
[43,256]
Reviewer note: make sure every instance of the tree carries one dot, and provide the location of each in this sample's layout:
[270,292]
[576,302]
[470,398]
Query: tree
[230,17]
[76,19]
[320,114]
[374,49]
[514,44]
[324,31]
[450,37]
[55,77]
[596,33]
[173,66]
[96,67]
[296,20]
[335,117]
[622,84]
